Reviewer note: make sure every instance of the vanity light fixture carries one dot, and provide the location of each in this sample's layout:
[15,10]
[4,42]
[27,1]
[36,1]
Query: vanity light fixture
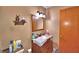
[39,14]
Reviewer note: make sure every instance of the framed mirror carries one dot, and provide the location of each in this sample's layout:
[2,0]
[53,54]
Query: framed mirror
[37,23]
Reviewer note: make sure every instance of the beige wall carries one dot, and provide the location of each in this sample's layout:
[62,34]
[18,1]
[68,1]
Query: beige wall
[8,31]
[52,23]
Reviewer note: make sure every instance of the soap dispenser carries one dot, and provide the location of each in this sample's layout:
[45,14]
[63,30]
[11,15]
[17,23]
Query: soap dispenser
[33,36]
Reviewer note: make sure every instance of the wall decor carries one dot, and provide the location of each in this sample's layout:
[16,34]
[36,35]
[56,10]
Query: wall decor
[19,20]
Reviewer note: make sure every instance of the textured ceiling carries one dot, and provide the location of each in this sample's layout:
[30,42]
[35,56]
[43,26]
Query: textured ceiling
[47,6]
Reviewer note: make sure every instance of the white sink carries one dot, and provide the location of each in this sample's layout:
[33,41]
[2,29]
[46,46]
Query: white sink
[41,40]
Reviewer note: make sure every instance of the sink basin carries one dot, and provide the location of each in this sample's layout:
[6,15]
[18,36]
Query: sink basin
[40,40]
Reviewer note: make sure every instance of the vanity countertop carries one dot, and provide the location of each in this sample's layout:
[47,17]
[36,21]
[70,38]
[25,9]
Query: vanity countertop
[42,39]
[17,50]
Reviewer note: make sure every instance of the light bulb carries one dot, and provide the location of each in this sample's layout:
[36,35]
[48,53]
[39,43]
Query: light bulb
[37,14]
[43,16]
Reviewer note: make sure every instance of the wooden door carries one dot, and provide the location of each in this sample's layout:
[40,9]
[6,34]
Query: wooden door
[69,30]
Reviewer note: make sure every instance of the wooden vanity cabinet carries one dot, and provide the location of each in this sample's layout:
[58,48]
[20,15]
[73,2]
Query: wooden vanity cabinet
[46,48]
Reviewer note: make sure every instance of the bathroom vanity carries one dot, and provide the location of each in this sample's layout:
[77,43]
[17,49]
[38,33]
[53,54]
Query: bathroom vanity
[42,44]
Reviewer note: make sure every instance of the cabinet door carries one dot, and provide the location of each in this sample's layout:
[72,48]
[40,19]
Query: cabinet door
[69,30]
[47,47]
[35,48]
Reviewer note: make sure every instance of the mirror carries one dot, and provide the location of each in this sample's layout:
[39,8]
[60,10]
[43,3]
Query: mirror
[37,24]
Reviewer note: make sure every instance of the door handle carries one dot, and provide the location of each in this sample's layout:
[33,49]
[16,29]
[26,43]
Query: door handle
[61,36]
